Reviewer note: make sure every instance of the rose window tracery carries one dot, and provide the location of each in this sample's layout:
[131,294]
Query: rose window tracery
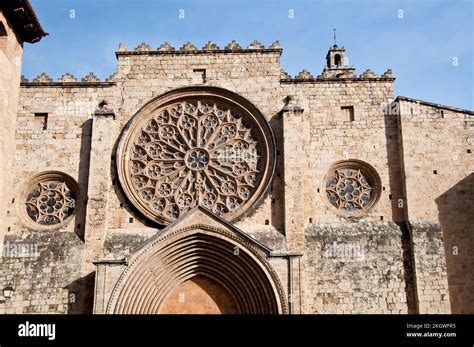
[49,199]
[196,151]
[352,187]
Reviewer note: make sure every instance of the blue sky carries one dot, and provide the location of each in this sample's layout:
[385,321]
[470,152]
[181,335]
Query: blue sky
[421,48]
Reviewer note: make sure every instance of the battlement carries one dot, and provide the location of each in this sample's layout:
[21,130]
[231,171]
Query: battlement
[211,56]
[67,80]
[209,48]
[306,77]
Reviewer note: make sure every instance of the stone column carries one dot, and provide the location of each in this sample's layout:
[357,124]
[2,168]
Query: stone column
[98,189]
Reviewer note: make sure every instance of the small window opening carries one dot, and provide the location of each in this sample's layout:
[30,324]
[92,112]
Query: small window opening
[41,122]
[347,113]
[199,76]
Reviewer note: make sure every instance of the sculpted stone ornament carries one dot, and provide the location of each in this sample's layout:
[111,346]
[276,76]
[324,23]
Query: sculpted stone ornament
[352,187]
[49,200]
[200,148]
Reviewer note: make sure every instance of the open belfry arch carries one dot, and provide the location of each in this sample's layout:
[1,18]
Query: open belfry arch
[200,245]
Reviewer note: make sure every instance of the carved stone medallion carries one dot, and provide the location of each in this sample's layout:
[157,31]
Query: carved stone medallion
[196,148]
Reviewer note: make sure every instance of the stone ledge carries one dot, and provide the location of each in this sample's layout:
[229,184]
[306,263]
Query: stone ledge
[68,84]
[325,80]
[432,104]
[200,51]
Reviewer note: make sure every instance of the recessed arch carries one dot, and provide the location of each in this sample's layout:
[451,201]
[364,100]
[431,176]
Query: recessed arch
[198,251]
[199,295]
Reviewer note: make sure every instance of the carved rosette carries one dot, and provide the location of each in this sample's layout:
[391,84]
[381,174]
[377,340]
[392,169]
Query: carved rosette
[49,200]
[194,150]
[352,187]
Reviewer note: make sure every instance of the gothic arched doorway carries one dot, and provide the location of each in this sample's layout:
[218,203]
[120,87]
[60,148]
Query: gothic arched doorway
[201,264]
[199,295]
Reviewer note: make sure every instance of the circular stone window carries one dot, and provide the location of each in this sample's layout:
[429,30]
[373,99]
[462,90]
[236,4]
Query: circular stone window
[351,187]
[205,147]
[48,200]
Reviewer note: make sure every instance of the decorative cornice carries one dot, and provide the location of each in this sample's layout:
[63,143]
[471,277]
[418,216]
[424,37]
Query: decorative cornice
[42,78]
[90,78]
[78,84]
[233,46]
[68,81]
[188,47]
[208,48]
[320,79]
[304,75]
[256,45]
[67,77]
[143,47]
[166,47]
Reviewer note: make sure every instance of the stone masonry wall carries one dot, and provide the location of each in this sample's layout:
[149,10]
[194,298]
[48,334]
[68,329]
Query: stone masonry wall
[44,284]
[81,143]
[437,145]
[358,267]
[11,51]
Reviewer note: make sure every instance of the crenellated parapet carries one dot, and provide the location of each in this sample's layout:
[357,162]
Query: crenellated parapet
[189,48]
[327,75]
[42,78]
[67,80]
[335,69]
[90,78]
[67,77]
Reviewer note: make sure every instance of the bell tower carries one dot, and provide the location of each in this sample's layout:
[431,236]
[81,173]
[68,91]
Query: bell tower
[337,63]
[336,58]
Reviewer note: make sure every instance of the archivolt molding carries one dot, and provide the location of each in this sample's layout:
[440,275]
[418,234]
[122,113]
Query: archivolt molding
[178,253]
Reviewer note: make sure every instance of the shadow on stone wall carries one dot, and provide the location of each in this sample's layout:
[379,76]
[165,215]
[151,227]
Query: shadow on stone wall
[83,177]
[408,268]
[456,215]
[81,295]
[277,191]
[395,159]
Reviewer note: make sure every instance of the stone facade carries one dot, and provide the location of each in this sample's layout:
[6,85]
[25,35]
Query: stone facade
[391,234]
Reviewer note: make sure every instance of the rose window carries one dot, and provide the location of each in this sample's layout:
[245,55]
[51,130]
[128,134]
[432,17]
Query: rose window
[352,188]
[195,151]
[49,199]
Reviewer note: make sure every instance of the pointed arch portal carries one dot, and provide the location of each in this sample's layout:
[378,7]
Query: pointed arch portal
[198,269]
